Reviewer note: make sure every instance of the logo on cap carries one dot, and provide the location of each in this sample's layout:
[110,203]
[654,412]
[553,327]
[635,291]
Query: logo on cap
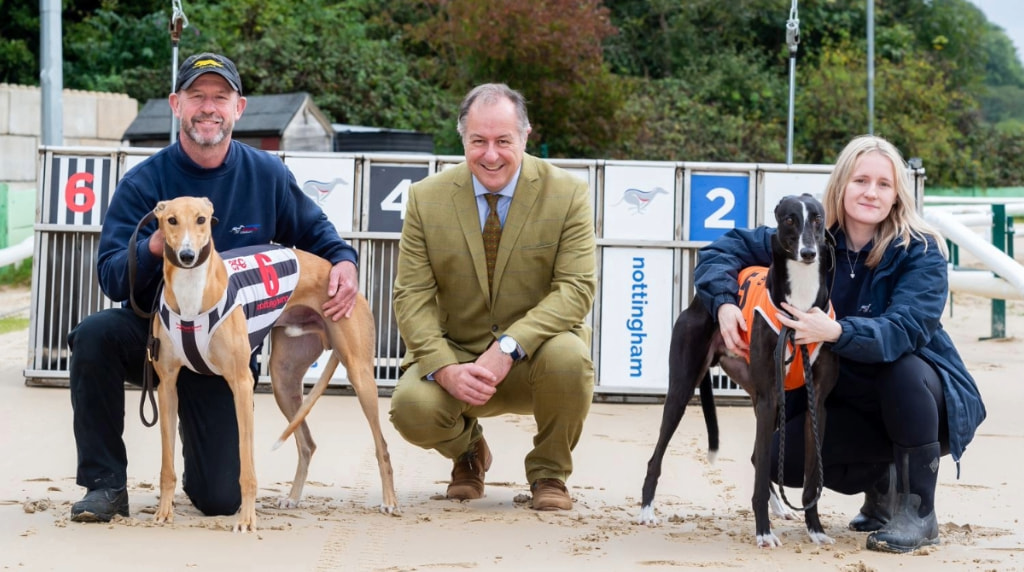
[207,64]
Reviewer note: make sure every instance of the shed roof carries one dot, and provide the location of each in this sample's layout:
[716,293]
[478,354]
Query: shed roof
[363,138]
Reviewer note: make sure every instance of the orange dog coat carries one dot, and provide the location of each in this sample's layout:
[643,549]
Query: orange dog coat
[755,301]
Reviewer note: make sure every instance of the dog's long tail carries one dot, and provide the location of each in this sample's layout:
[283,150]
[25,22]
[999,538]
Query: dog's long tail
[310,401]
[707,404]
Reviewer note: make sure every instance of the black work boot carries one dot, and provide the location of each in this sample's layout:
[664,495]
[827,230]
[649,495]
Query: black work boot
[100,505]
[913,524]
[879,503]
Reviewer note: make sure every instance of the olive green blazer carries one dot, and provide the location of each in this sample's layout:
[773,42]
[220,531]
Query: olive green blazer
[544,279]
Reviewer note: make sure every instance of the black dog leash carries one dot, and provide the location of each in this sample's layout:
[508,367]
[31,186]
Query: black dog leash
[788,335]
[152,343]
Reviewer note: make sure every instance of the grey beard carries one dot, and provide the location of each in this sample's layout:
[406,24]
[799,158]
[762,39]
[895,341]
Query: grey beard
[193,134]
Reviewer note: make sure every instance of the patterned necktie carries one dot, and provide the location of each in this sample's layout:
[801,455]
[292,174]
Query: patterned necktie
[492,235]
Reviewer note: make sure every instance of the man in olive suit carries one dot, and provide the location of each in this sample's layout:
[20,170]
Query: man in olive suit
[489,333]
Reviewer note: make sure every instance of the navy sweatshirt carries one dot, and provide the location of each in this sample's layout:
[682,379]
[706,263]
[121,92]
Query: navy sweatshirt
[255,199]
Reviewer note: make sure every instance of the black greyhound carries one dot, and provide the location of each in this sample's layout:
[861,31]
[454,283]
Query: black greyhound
[801,259]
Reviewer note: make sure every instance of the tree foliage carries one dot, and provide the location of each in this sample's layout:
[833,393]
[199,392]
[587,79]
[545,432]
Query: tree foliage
[19,41]
[551,51]
[323,48]
[913,109]
[700,80]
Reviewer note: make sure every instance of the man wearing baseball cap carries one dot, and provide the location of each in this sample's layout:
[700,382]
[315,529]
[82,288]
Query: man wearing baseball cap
[257,201]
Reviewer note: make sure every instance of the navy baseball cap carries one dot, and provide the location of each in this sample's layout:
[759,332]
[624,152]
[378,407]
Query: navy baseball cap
[208,62]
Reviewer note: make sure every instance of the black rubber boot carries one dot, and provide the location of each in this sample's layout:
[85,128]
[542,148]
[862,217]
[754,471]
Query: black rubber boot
[879,504]
[913,524]
[100,505]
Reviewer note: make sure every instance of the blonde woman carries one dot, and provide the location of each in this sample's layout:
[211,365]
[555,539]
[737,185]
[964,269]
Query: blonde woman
[904,396]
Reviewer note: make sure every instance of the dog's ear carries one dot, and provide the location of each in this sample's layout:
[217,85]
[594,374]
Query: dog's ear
[209,203]
[830,250]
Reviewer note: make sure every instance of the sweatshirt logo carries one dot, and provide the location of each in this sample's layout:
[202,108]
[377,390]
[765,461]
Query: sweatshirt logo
[245,229]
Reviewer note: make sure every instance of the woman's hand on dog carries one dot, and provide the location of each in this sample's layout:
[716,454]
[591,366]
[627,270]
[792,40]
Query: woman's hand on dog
[732,325]
[812,326]
[342,288]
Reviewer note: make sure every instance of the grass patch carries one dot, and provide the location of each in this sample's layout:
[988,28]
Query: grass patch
[17,274]
[13,325]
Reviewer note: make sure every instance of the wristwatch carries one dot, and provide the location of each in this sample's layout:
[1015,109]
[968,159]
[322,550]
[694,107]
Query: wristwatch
[509,346]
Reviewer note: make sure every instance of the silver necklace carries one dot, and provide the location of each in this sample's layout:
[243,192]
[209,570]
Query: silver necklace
[853,264]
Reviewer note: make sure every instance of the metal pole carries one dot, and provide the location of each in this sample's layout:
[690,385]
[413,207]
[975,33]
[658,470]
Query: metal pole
[789,122]
[871,67]
[177,24]
[51,75]
[792,40]
[999,241]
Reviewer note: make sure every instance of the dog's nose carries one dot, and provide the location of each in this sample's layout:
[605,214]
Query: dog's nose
[187,256]
[808,254]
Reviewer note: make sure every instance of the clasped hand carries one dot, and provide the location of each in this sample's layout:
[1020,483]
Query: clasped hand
[475,382]
[810,327]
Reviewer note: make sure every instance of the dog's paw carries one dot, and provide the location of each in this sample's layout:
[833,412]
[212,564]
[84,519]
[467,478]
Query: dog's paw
[390,510]
[768,540]
[820,537]
[158,519]
[245,525]
[287,502]
[164,514]
[647,516]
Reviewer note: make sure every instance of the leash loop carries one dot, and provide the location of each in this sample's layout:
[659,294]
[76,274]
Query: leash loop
[133,266]
[152,343]
[148,385]
[787,335]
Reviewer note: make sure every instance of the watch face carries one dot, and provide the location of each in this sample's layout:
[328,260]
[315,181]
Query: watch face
[507,344]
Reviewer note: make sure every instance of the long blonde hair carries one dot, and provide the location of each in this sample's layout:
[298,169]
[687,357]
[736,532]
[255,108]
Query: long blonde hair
[903,221]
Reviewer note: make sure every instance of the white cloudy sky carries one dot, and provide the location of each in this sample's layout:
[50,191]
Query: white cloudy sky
[1008,15]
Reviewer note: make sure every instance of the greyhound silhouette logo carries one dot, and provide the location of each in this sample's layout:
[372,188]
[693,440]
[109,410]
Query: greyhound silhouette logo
[320,190]
[640,199]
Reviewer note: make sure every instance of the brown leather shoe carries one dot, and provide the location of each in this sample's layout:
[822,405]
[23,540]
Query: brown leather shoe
[550,494]
[468,472]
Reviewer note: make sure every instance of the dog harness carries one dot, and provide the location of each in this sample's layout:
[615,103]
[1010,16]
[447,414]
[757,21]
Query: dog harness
[261,279]
[756,301]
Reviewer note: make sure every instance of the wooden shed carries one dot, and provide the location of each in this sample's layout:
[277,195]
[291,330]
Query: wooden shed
[285,122]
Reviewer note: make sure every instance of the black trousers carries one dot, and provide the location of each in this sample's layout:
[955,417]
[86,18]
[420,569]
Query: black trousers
[108,348]
[872,408]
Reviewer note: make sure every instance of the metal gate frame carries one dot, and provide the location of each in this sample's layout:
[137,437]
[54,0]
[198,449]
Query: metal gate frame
[65,288]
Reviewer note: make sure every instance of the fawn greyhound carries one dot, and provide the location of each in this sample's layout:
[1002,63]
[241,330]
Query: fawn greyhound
[801,259]
[196,314]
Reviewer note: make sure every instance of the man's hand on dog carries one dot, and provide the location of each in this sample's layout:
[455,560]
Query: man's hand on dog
[475,383]
[342,288]
[156,244]
[812,326]
[731,324]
